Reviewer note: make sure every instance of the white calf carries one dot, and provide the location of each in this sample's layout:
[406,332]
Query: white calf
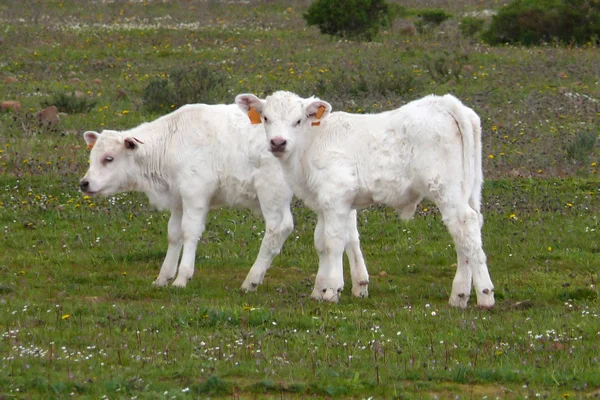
[337,162]
[194,159]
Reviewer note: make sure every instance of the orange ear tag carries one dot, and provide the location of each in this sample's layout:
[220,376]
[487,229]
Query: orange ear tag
[318,115]
[254,116]
[89,146]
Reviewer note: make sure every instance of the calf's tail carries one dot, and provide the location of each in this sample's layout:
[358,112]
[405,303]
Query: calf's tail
[469,126]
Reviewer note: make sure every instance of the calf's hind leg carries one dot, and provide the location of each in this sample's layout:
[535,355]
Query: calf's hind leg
[464,225]
[278,225]
[358,269]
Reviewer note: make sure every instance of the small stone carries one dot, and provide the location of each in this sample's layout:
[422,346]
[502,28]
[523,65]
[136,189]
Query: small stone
[515,173]
[98,81]
[48,116]
[11,105]
[10,79]
[74,81]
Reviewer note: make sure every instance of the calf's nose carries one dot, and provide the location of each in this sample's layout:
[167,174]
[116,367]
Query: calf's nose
[84,185]
[278,143]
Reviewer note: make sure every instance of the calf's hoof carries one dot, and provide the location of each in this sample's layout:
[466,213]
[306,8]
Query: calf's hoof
[485,299]
[158,282]
[181,281]
[329,295]
[361,290]
[459,300]
[249,286]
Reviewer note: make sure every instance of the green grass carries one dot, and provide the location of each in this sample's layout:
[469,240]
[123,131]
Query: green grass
[78,314]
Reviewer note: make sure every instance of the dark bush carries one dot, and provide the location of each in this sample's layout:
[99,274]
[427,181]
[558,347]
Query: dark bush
[355,19]
[532,22]
[197,84]
[70,103]
[430,18]
[471,26]
[159,95]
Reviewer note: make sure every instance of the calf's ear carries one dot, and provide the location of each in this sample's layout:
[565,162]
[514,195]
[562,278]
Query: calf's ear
[90,138]
[251,105]
[317,110]
[131,143]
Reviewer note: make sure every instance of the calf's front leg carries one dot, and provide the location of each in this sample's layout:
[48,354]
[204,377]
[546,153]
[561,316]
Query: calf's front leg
[192,224]
[169,267]
[331,237]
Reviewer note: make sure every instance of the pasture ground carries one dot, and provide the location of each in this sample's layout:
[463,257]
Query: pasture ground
[78,314]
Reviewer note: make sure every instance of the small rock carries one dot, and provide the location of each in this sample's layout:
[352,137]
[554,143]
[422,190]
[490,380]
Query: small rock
[406,28]
[522,305]
[79,94]
[74,81]
[98,81]
[467,68]
[563,75]
[383,273]
[121,94]
[10,79]
[515,173]
[11,105]
[48,116]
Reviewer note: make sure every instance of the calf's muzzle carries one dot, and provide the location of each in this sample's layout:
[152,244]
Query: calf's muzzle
[278,144]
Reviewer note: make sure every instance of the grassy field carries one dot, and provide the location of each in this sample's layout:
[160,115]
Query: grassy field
[78,314]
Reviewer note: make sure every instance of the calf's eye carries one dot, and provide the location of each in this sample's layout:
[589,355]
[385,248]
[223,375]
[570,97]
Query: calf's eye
[266,119]
[298,122]
[108,159]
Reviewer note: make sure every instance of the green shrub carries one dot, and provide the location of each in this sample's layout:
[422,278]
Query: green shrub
[159,95]
[70,103]
[471,26]
[196,84]
[446,65]
[531,22]
[582,146]
[356,19]
[213,386]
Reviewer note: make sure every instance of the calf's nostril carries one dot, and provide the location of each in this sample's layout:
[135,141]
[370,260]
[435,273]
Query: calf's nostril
[278,142]
[84,185]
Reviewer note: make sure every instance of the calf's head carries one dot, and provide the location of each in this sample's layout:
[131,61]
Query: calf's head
[111,163]
[286,118]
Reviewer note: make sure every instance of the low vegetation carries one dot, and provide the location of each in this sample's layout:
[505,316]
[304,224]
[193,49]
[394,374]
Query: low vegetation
[78,314]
